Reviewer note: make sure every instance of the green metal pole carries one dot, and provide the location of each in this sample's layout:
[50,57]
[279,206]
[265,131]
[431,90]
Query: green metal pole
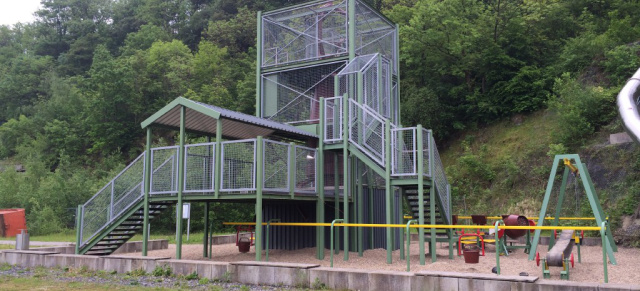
[432,197]
[420,164]
[596,207]
[320,185]
[336,202]
[78,228]
[259,65]
[259,185]
[388,187]
[218,160]
[604,250]
[498,247]
[351,22]
[183,115]
[565,176]
[345,167]
[147,186]
[402,257]
[397,65]
[211,241]
[205,238]
[409,244]
[360,213]
[543,210]
[331,238]
[370,185]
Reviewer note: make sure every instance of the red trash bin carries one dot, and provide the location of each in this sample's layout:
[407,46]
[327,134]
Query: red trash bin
[12,221]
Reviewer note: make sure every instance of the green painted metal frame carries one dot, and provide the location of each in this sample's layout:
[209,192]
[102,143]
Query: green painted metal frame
[408,233]
[594,202]
[180,101]
[78,228]
[420,149]
[259,187]
[259,64]
[147,187]
[320,217]
[179,228]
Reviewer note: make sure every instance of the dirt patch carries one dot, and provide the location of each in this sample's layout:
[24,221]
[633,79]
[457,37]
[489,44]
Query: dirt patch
[590,270]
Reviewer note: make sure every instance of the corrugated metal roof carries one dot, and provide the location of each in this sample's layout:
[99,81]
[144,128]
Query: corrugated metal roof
[201,117]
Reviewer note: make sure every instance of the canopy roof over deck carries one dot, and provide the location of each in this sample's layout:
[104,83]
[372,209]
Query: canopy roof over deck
[201,118]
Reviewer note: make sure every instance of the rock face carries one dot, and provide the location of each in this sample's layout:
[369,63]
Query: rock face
[629,233]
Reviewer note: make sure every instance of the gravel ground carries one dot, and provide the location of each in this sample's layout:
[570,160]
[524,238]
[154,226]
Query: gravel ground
[146,280]
[590,270]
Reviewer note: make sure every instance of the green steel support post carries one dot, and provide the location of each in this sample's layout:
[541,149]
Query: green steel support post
[388,188]
[351,33]
[589,182]
[565,176]
[605,246]
[595,206]
[397,67]
[420,164]
[205,238]
[432,197]
[345,162]
[147,185]
[408,231]
[259,185]
[379,82]
[78,228]
[331,237]
[336,200]
[543,210]
[370,185]
[211,240]
[259,65]
[320,184]
[218,163]
[183,115]
[498,245]
[360,213]
[402,214]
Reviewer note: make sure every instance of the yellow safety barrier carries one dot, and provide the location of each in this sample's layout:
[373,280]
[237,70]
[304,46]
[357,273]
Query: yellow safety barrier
[440,226]
[536,218]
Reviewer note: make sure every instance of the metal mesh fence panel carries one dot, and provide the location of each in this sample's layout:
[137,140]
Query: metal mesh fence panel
[426,137]
[238,165]
[164,170]
[293,96]
[385,90]
[333,120]
[199,168]
[439,176]
[276,166]
[373,33]
[371,92]
[404,147]
[305,170]
[304,33]
[96,213]
[113,199]
[127,186]
[366,131]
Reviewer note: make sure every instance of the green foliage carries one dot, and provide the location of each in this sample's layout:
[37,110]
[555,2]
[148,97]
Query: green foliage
[192,276]
[621,61]
[581,109]
[162,271]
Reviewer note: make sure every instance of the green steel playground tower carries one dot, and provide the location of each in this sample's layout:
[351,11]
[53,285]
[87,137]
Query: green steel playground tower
[326,143]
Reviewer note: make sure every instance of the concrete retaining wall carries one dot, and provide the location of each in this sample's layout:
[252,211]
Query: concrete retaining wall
[304,275]
[128,247]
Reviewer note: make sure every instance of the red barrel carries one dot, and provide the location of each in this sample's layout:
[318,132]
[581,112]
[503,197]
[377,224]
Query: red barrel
[12,221]
[515,220]
[244,244]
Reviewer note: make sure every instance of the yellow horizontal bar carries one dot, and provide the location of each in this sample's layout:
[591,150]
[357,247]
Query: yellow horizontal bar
[442,226]
[536,218]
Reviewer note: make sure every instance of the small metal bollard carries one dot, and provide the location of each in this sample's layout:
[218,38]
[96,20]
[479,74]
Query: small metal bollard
[22,240]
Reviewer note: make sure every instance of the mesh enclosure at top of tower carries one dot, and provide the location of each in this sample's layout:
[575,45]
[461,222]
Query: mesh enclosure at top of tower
[199,168]
[293,96]
[305,32]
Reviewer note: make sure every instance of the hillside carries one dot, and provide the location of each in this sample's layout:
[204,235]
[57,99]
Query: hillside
[503,169]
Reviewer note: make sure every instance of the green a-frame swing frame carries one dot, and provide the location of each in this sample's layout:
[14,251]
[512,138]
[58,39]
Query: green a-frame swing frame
[590,191]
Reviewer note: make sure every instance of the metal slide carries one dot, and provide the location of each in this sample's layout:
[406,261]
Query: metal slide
[628,106]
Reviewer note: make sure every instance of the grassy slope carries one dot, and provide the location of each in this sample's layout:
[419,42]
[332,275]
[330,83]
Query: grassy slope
[503,168]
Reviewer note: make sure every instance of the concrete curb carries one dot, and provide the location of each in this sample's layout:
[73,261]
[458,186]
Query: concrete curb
[303,275]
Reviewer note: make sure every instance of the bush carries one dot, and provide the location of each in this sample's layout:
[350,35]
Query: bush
[581,110]
[621,62]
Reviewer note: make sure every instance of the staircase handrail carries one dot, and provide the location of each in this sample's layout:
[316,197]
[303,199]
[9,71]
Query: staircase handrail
[439,178]
[377,157]
[111,203]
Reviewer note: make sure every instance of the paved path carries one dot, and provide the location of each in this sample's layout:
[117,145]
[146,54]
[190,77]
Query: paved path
[37,243]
